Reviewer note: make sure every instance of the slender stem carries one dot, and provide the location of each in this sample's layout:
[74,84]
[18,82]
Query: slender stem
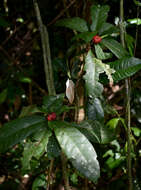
[46,51]
[128,111]
[136,38]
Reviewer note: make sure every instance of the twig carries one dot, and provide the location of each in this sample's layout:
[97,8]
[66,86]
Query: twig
[63,11]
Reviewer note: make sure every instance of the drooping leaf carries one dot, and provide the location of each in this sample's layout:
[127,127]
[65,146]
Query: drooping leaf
[125,67]
[3,96]
[35,149]
[95,110]
[86,36]
[78,149]
[94,67]
[99,15]
[15,131]
[70,90]
[100,54]
[96,132]
[93,87]
[130,43]
[75,23]
[108,29]
[115,47]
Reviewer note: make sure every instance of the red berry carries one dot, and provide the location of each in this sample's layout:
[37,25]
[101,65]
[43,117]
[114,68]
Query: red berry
[96,39]
[51,116]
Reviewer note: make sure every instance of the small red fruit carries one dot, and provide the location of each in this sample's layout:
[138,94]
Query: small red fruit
[51,116]
[96,39]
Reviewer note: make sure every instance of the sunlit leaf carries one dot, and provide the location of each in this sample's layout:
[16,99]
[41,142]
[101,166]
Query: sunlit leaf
[78,150]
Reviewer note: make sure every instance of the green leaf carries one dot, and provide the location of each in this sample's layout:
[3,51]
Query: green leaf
[29,110]
[75,23]
[86,36]
[3,96]
[53,148]
[108,29]
[100,54]
[35,149]
[125,67]
[96,132]
[93,87]
[115,47]
[15,131]
[99,15]
[136,131]
[79,150]
[130,42]
[52,103]
[136,21]
[40,181]
[95,110]
[25,79]
[94,67]
[138,3]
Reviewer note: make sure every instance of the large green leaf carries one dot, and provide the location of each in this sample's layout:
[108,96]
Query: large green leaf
[14,131]
[35,149]
[115,47]
[99,15]
[78,149]
[96,132]
[95,110]
[125,67]
[94,67]
[75,23]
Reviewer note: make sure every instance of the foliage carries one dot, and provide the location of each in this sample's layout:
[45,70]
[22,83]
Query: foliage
[95,148]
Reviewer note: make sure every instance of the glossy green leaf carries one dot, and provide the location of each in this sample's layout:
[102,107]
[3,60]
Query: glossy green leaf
[35,149]
[96,132]
[25,79]
[3,96]
[115,47]
[75,23]
[125,67]
[95,110]
[108,29]
[94,67]
[99,15]
[86,36]
[114,163]
[136,21]
[79,150]
[93,87]
[15,131]
[100,54]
